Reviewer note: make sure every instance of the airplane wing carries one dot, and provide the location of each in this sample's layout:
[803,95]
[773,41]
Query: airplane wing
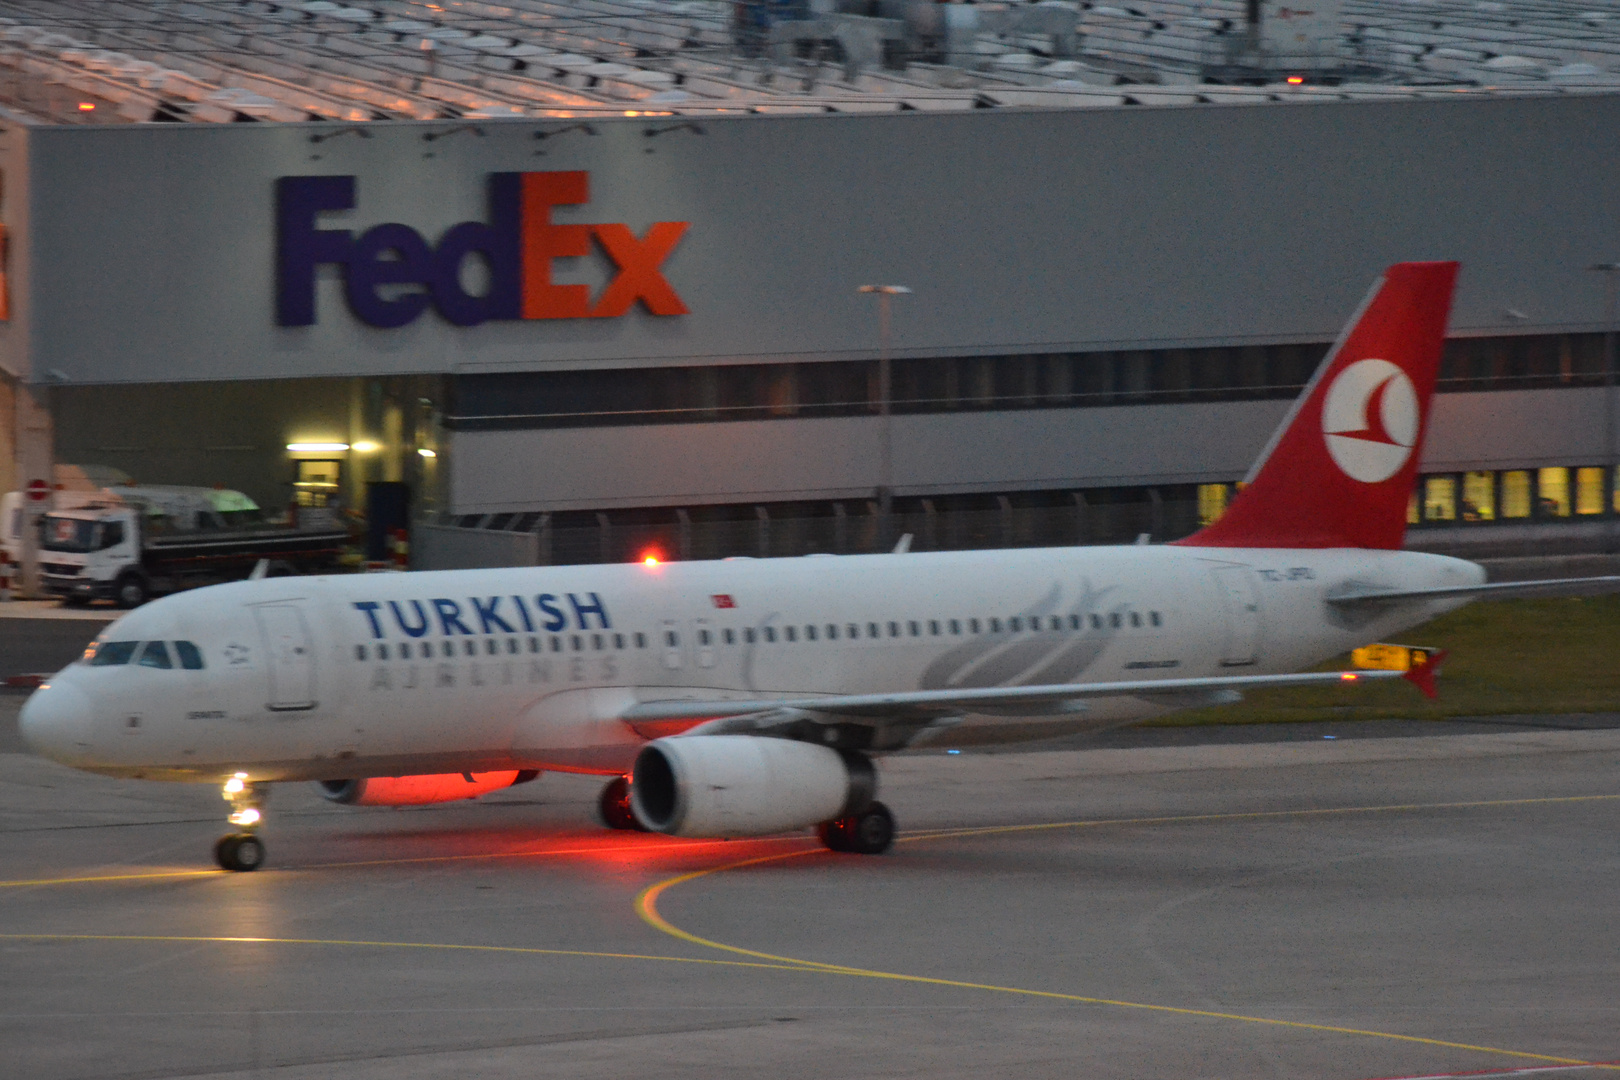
[923,704]
[1587,586]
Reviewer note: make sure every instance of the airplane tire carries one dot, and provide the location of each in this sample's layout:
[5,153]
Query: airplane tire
[239,852]
[614,806]
[870,832]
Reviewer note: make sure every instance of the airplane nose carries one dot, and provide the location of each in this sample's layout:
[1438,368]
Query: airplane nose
[55,722]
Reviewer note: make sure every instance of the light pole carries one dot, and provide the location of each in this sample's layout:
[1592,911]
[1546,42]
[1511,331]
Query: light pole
[1611,461]
[885,490]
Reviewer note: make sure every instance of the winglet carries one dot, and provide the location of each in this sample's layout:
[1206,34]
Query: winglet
[1424,670]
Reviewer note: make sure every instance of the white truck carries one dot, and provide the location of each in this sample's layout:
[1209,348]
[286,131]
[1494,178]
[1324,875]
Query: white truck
[128,544]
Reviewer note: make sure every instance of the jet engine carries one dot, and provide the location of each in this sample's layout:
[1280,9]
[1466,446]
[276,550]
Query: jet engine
[745,785]
[421,790]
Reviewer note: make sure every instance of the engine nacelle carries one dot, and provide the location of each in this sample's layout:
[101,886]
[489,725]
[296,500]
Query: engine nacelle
[745,785]
[421,790]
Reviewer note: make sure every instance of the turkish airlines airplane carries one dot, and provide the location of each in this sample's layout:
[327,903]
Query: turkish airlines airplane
[744,697]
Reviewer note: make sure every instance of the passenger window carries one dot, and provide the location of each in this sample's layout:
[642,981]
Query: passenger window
[973,626]
[730,635]
[1114,620]
[995,626]
[894,629]
[359,652]
[641,640]
[853,631]
[832,631]
[491,646]
[382,653]
[810,633]
[1057,622]
[470,647]
[1096,621]
[956,626]
[578,643]
[749,635]
[671,639]
[596,642]
[511,645]
[1015,624]
[1153,617]
[913,629]
[113,653]
[534,645]
[792,634]
[1074,622]
[618,641]
[556,643]
[933,627]
[190,656]
[872,630]
[447,648]
[155,655]
[770,634]
[1136,618]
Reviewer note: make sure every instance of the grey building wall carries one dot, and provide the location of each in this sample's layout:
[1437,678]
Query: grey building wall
[148,249]
[785,460]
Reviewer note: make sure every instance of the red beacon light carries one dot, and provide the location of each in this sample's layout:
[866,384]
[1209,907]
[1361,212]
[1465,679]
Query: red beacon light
[651,559]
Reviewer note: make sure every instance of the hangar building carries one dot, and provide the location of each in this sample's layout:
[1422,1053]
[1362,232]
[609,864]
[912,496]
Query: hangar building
[581,325]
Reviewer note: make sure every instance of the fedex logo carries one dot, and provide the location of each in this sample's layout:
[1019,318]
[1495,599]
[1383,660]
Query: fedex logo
[517,245]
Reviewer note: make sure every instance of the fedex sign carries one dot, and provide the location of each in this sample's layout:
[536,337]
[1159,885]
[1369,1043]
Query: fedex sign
[517,245]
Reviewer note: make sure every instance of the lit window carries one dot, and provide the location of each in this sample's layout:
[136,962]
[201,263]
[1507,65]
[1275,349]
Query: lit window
[1516,494]
[1440,498]
[1211,502]
[1589,491]
[1552,492]
[1479,496]
[1412,509]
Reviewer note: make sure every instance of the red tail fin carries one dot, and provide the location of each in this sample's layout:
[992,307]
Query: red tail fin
[1340,470]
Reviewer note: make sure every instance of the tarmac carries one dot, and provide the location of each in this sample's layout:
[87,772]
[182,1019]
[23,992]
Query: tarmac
[1390,905]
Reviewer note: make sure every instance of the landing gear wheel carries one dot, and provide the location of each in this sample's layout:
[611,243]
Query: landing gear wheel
[239,852]
[614,806]
[871,832]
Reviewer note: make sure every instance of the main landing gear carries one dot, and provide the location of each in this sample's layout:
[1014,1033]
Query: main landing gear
[614,806]
[870,832]
[241,851]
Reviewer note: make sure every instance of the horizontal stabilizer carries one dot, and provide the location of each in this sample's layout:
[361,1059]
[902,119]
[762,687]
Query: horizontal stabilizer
[1587,586]
[920,703]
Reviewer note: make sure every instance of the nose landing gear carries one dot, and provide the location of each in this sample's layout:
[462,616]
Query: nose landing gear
[242,851]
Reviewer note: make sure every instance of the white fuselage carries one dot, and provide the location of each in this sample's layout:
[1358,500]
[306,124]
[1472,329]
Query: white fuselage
[391,674]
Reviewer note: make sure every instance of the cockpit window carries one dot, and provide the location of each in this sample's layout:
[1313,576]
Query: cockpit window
[156,654]
[190,656]
[110,653]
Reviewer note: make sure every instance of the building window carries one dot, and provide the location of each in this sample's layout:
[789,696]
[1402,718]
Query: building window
[1516,494]
[1589,491]
[1479,496]
[1440,498]
[1211,503]
[1552,492]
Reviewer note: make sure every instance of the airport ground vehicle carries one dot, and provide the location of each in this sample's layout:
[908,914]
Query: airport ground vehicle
[743,697]
[131,544]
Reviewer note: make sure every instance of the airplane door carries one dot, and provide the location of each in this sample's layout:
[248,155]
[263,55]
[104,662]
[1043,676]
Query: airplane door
[704,633]
[672,644]
[1241,604]
[291,656]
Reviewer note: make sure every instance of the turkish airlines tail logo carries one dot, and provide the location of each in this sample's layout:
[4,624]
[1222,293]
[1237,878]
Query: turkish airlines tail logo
[1340,470]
